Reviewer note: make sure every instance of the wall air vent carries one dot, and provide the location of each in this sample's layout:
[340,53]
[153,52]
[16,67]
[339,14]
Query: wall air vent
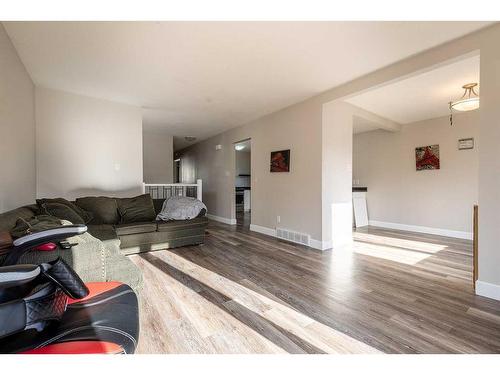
[288,235]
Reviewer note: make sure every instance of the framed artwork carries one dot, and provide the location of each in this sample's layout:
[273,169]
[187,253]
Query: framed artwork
[466,144]
[280,161]
[427,157]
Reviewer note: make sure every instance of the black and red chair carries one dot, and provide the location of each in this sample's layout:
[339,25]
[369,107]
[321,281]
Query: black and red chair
[47,309]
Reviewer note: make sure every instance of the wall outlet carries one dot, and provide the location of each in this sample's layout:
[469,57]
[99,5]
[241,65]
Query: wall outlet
[278,219]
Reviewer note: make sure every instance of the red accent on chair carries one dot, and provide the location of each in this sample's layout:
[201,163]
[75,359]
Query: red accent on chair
[50,246]
[95,289]
[78,347]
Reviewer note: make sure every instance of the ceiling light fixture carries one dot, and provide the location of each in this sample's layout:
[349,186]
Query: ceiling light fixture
[468,102]
[239,147]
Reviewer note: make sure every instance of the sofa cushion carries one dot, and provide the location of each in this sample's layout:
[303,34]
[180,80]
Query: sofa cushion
[176,225]
[9,219]
[62,211]
[35,224]
[104,209]
[136,209]
[121,268]
[103,232]
[135,228]
[158,205]
[57,206]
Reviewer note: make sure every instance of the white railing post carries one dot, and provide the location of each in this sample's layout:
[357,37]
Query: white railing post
[143,188]
[199,189]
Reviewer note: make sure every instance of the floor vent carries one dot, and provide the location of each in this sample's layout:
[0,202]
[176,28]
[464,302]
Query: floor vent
[292,236]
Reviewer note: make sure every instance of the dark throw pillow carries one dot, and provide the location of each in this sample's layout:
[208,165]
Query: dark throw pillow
[85,217]
[33,225]
[136,209]
[103,209]
[63,212]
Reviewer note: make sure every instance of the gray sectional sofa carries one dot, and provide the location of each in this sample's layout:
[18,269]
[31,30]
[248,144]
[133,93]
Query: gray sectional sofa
[116,227]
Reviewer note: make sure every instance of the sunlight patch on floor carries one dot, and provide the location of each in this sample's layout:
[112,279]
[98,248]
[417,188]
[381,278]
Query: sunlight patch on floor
[315,333]
[404,256]
[421,246]
[186,322]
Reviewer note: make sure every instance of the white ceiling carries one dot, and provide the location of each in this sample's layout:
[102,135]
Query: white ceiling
[200,78]
[421,97]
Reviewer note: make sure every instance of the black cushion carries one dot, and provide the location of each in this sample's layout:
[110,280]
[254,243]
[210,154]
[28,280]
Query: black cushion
[103,209]
[62,211]
[136,209]
[135,228]
[55,205]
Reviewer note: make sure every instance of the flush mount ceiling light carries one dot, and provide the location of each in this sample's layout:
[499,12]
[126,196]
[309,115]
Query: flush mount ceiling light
[239,147]
[468,102]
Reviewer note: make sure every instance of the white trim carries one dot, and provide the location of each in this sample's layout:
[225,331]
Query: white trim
[315,244]
[488,290]
[320,245]
[263,230]
[419,229]
[221,219]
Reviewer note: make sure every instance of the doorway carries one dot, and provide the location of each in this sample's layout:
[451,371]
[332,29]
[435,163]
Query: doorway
[242,183]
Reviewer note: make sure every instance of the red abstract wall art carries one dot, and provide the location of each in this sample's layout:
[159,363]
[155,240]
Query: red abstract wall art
[427,157]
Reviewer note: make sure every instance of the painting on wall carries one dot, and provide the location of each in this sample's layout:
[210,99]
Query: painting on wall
[280,161]
[427,157]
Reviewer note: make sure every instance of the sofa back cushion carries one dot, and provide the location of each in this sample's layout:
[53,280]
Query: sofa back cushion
[103,209]
[63,209]
[136,209]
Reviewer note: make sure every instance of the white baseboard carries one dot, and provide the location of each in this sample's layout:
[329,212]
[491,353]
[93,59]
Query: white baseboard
[221,219]
[263,230]
[488,290]
[320,245]
[419,229]
[315,244]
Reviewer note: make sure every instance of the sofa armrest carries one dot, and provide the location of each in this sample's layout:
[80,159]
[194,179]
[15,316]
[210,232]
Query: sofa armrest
[87,258]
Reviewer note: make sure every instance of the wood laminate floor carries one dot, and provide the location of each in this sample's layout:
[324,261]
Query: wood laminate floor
[243,292]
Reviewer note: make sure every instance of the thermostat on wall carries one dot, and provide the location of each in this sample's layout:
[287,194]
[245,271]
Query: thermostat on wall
[466,143]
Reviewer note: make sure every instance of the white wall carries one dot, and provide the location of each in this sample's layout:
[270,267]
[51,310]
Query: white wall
[294,196]
[489,166]
[86,146]
[397,193]
[336,178]
[158,157]
[17,129]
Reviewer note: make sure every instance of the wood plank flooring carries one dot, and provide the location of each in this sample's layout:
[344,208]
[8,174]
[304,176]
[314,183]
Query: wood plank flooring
[243,292]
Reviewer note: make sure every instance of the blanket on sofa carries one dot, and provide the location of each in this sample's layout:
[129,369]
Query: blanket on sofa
[180,208]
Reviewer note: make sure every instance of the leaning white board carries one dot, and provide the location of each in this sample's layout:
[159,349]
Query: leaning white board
[360,210]
[246,200]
